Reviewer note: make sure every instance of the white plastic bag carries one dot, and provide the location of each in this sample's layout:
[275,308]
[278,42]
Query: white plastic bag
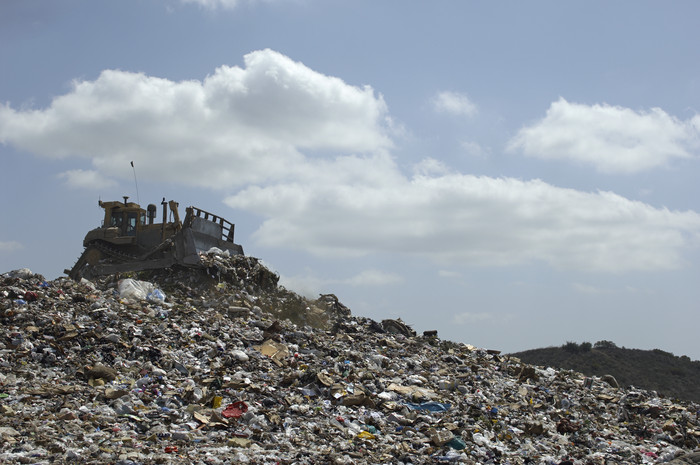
[132,289]
[218,251]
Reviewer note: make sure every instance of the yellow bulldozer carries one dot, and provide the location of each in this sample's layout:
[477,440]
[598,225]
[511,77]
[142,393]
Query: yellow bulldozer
[130,239]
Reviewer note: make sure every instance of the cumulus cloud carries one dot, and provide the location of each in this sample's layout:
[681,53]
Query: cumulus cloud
[430,166]
[459,219]
[10,246]
[454,103]
[237,126]
[611,138]
[311,154]
[86,179]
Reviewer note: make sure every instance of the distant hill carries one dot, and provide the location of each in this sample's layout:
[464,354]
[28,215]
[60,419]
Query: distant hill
[657,370]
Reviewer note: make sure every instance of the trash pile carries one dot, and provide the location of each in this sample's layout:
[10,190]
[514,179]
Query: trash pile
[223,366]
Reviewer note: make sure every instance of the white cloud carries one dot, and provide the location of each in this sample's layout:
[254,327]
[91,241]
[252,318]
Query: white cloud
[374,278]
[430,166]
[462,219]
[611,138]
[471,318]
[237,126]
[282,132]
[454,103]
[474,149]
[10,246]
[86,179]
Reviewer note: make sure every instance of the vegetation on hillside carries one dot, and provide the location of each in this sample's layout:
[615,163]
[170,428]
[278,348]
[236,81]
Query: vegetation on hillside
[657,370]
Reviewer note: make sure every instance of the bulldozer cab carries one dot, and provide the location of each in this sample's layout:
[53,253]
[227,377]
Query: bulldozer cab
[127,217]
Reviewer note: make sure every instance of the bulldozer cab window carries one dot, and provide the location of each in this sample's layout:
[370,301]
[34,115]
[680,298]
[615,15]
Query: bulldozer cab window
[131,221]
[116,219]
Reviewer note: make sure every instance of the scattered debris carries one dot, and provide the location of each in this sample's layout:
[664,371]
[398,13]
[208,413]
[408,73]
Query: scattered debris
[230,368]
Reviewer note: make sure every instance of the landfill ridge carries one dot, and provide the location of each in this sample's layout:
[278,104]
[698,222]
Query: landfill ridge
[221,365]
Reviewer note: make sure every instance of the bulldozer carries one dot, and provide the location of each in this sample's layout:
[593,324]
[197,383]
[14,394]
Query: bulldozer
[131,240]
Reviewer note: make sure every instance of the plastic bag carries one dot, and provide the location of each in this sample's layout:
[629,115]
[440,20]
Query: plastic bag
[132,289]
[22,273]
[235,410]
[218,251]
[156,296]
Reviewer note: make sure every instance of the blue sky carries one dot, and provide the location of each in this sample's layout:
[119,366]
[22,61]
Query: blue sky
[512,174]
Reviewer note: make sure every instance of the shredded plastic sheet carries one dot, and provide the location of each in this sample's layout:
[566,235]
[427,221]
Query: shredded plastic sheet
[429,406]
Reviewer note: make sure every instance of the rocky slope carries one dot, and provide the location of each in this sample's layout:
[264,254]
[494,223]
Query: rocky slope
[224,367]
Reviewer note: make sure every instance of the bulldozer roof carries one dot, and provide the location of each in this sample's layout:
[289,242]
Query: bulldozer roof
[113,204]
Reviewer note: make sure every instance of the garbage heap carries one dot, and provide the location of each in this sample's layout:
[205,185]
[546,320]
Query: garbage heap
[223,366]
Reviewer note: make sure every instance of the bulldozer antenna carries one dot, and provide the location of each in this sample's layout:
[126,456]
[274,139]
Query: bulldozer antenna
[138,199]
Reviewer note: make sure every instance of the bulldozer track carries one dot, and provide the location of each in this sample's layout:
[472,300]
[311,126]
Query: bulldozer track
[105,249]
[112,252]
